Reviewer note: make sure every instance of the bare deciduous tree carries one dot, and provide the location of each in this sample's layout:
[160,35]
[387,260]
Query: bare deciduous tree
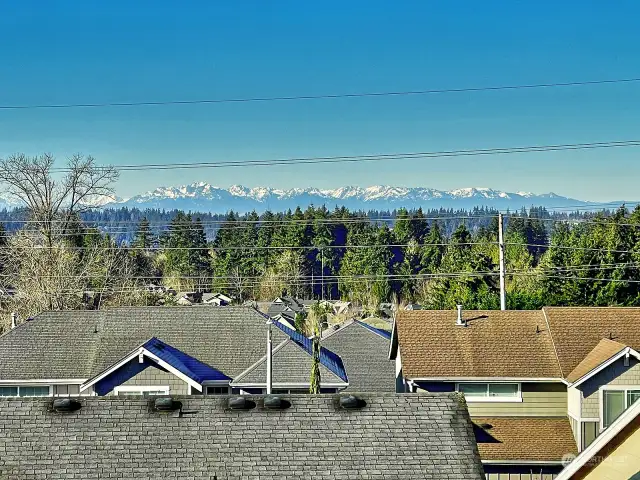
[54,203]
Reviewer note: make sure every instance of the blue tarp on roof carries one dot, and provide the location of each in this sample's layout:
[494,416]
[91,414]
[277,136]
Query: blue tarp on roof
[191,367]
[385,333]
[327,358]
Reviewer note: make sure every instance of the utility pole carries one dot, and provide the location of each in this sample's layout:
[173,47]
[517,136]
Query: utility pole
[269,355]
[503,292]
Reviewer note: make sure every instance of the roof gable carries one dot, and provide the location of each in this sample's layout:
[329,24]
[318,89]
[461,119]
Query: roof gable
[364,352]
[603,351]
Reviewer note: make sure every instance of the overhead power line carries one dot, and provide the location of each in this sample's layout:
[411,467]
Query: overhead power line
[402,93]
[375,158]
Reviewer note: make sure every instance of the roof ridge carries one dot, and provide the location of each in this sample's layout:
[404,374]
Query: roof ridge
[553,342]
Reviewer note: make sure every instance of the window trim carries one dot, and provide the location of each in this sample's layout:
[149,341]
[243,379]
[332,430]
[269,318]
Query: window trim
[618,388]
[488,399]
[141,389]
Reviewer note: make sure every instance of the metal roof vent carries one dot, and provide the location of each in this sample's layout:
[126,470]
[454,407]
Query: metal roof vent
[166,404]
[459,320]
[240,403]
[66,405]
[351,402]
[274,402]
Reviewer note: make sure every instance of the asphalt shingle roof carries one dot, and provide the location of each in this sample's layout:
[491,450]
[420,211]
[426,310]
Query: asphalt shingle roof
[393,436]
[524,438]
[80,344]
[365,353]
[494,343]
[577,330]
[603,351]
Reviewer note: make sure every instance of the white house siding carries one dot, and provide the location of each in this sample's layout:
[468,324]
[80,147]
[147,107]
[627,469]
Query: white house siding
[615,374]
[574,400]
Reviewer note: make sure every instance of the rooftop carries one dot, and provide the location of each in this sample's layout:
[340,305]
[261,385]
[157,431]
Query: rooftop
[392,436]
[535,439]
[493,343]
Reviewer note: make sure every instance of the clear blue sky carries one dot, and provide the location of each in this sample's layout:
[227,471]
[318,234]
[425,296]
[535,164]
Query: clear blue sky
[119,51]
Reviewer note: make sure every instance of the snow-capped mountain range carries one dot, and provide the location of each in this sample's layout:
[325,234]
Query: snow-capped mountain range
[204,197]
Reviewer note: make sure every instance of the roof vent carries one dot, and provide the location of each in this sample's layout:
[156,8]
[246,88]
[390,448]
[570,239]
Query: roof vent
[166,404]
[14,320]
[240,403]
[274,402]
[459,320]
[351,402]
[486,426]
[66,405]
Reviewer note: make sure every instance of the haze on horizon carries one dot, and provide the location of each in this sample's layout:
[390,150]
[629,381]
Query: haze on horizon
[74,52]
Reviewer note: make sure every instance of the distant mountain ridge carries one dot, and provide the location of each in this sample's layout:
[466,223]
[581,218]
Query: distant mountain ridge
[204,197]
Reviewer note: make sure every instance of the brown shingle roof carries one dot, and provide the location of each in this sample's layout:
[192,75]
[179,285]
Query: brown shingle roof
[601,353]
[577,331]
[524,439]
[493,344]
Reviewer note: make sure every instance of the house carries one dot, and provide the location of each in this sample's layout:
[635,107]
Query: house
[614,454]
[564,374]
[413,306]
[364,350]
[371,436]
[188,298]
[217,299]
[157,351]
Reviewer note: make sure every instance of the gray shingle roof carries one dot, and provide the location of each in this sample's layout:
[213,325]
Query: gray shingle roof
[66,345]
[291,364]
[365,355]
[399,437]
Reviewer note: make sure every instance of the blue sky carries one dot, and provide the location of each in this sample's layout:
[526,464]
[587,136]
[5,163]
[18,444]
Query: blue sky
[118,51]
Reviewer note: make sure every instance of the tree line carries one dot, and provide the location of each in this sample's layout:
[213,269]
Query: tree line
[58,260]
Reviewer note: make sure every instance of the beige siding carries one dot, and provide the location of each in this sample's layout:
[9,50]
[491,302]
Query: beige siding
[538,399]
[152,376]
[574,402]
[616,374]
[622,463]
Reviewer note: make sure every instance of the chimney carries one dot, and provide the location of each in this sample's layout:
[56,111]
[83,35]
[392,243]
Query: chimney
[459,320]
[14,320]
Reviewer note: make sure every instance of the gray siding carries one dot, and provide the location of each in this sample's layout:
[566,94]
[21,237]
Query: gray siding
[152,376]
[616,374]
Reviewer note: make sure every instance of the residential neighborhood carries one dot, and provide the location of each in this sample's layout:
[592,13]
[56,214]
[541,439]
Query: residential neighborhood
[328,240]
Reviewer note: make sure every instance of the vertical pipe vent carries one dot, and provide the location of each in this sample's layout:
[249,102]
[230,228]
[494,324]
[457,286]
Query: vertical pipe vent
[459,320]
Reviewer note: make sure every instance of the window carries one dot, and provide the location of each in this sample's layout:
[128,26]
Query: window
[218,390]
[289,391]
[488,392]
[589,433]
[8,391]
[615,402]
[28,391]
[131,390]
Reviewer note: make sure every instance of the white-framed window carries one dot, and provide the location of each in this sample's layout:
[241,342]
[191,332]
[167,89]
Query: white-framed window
[25,391]
[614,400]
[140,390]
[490,392]
[289,391]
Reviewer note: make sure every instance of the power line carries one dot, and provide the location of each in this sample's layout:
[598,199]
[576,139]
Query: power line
[321,97]
[374,158]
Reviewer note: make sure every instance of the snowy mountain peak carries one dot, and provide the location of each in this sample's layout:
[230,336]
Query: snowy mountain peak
[205,197]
